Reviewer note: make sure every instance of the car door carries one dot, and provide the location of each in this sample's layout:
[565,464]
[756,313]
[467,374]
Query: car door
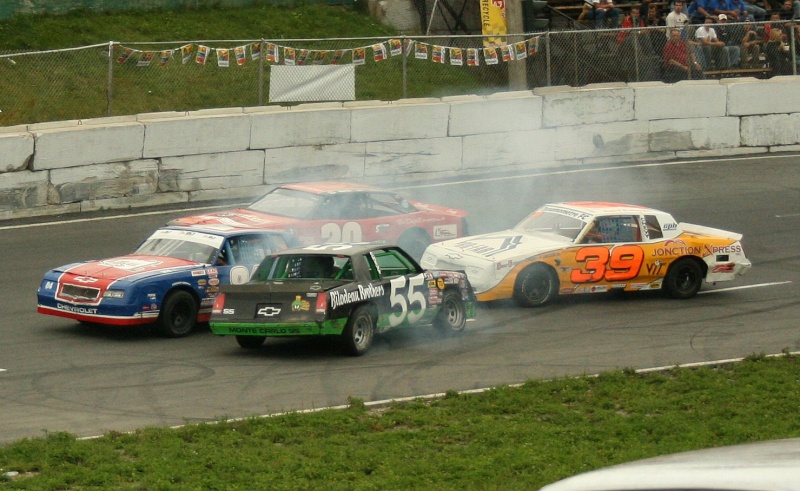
[406,299]
[610,255]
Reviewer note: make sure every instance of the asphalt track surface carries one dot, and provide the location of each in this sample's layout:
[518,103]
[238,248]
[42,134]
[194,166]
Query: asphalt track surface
[56,375]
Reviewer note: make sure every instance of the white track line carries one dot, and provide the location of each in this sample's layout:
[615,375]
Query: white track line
[440,395]
[95,219]
[744,287]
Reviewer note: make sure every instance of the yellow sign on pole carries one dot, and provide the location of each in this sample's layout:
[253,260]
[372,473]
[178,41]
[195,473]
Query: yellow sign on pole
[493,21]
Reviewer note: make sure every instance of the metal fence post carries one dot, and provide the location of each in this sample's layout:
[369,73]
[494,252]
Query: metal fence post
[547,59]
[404,54]
[110,82]
[794,48]
[261,62]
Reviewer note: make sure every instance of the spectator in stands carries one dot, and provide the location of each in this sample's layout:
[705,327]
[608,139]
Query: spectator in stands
[731,36]
[633,19]
[776,52]
[635,48]
[790,10]
[677,18]
[713,54]
[599,11]
[655,18]
[774,24]
[754,12]
[699,10]
[732,9]
[751,47]
[679,62]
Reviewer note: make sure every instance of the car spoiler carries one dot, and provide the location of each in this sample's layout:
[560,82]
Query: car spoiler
[700,229]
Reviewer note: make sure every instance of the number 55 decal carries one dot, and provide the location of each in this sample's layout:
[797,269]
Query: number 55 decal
[620,264]
[406,299]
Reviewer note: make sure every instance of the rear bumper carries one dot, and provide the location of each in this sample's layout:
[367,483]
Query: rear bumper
[324,328]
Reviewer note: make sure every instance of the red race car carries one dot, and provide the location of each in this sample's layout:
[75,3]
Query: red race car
[319,212]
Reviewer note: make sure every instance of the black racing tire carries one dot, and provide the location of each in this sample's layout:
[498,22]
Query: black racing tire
[452,316]
[536,285]
[359,332]
[684,278]
[250,342]
[414,242]
[178,314]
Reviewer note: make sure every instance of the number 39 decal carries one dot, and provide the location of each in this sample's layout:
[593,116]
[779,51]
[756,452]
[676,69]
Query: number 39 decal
[619,264]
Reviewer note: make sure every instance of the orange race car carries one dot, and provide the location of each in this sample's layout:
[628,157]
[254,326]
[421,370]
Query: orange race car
[591,247]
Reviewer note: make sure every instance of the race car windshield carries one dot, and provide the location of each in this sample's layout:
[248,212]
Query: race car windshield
[545,222]
[304,267]
[179,249]
[190,245]
[289,203]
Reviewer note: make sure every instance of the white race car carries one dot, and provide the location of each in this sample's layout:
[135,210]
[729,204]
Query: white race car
[591,247]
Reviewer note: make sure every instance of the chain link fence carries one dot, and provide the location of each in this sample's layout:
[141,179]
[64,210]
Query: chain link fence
[116,78]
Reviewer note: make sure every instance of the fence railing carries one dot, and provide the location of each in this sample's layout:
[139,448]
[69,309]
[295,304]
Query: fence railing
[118,78]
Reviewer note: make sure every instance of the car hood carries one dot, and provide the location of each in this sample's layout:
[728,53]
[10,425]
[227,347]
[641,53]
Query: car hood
[128,268]
[240,218]
[497,246]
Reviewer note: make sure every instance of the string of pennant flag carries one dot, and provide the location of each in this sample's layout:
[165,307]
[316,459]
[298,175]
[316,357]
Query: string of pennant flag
[297,56]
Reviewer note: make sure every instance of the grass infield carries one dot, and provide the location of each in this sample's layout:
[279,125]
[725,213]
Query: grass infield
[507,438]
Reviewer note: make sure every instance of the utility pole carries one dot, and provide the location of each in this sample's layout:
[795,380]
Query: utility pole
[517,70]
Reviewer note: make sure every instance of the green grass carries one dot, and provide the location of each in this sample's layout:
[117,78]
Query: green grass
[507,438]
[73,85]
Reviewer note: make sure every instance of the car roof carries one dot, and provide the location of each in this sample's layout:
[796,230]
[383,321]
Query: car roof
[324,187]
[603,207]
[336,249]
[760,466]
[222,229]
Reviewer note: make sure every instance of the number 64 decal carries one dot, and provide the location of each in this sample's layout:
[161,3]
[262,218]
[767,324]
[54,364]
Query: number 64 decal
[619,264]
[406,299]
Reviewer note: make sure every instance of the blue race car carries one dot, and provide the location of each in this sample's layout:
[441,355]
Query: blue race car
[171,279]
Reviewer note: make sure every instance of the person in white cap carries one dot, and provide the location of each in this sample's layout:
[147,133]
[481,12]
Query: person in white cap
[731,36]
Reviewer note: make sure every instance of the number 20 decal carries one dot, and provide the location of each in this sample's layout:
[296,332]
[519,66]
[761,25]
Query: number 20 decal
[349,232]
[406,300]
[619,264]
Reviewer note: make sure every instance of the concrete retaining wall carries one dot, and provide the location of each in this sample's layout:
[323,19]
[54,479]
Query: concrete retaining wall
[161,158]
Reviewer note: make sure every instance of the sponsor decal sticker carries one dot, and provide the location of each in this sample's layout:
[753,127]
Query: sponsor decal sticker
[300,304]
[363,292]
[440,283]
[723,268]
[84,279]
[441,232]
[729,249]
[268,311]
[487,246]
[77,310]
[132,265]
[198,272]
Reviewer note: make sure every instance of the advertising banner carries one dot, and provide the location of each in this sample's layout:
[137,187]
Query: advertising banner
[493,22]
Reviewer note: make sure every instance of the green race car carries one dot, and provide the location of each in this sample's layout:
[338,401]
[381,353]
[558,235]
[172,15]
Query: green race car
[353,291]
